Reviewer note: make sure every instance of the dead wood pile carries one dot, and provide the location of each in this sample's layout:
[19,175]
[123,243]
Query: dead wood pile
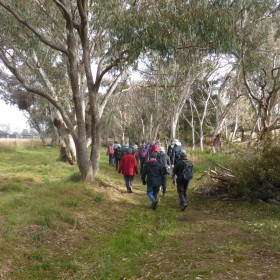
[216,182]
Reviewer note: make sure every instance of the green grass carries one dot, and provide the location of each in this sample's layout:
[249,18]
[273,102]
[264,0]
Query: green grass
[52,226]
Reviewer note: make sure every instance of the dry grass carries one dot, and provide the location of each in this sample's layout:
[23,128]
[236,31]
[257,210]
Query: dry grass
[8,144]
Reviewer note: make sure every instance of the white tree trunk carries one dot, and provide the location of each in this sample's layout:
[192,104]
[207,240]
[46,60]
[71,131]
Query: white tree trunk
[151,127]
[236,124]
[192,126]
[174,122]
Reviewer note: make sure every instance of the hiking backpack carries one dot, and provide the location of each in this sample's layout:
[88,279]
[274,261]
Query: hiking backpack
[111,150]
[164,166]
[143,153]
[176,153]
[118,153]
[188,170]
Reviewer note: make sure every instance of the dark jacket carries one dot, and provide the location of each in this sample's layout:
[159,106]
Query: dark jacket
[178,171]
[170,149]
[118,153]
[152,170]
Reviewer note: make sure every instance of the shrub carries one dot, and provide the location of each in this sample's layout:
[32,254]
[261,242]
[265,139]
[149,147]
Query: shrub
[256,174]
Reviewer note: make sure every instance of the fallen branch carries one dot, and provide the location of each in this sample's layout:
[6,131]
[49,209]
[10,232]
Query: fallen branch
[215,182]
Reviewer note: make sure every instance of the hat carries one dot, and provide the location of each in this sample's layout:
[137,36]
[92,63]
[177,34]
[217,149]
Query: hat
[178,143]
[183,153]
[161,149]
[135,147]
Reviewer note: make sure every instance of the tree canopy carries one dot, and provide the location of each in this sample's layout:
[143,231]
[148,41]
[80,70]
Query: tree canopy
[78,57]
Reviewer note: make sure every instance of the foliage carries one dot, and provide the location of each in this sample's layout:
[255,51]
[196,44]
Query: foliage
[75,53]
[257,174]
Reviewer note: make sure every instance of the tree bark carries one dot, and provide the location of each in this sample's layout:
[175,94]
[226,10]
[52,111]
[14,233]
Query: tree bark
[95,136]
[54,137]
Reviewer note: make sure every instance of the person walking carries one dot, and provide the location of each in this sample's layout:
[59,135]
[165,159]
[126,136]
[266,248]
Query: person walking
[128,167]
[176,152]
[117,156]
[183,172]
[164,161]
[135,152]
[143,157]
[170,150]
[152,175]
[110,153]
[124,148]
[115,146]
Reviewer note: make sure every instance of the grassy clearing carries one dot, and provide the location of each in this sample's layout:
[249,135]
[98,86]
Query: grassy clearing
[55,227]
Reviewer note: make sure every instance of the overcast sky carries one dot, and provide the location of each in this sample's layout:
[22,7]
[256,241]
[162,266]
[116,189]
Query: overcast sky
[11,115]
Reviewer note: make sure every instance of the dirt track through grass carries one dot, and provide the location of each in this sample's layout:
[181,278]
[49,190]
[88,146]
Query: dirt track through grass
[211,240]
[54,227]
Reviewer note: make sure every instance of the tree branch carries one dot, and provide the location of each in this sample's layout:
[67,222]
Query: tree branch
[120,57]
[37,91]
[248,87]
[23,21]
[66,13]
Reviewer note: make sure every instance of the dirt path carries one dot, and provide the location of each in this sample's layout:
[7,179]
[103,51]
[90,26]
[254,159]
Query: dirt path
[205,243]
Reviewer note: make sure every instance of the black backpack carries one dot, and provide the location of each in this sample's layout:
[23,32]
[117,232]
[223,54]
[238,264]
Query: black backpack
[176,153]
[118,153]
[188,170]
[161,158]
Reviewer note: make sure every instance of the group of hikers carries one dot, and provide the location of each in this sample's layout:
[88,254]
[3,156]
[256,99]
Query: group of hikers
[155,166]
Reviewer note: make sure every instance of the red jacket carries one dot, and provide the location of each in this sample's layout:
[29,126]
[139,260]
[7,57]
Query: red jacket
[128,165]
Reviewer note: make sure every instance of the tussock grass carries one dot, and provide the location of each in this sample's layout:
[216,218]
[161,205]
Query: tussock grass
[52,226]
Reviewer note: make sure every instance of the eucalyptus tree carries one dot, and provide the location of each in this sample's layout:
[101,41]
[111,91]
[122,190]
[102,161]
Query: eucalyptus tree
[64,50]
[263,88]
[257,52]
[38,66]
[52,52]
[240,118]
[151,95]
[134,113]
[205,92]
[191,31]
[38,118]
[36,109]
